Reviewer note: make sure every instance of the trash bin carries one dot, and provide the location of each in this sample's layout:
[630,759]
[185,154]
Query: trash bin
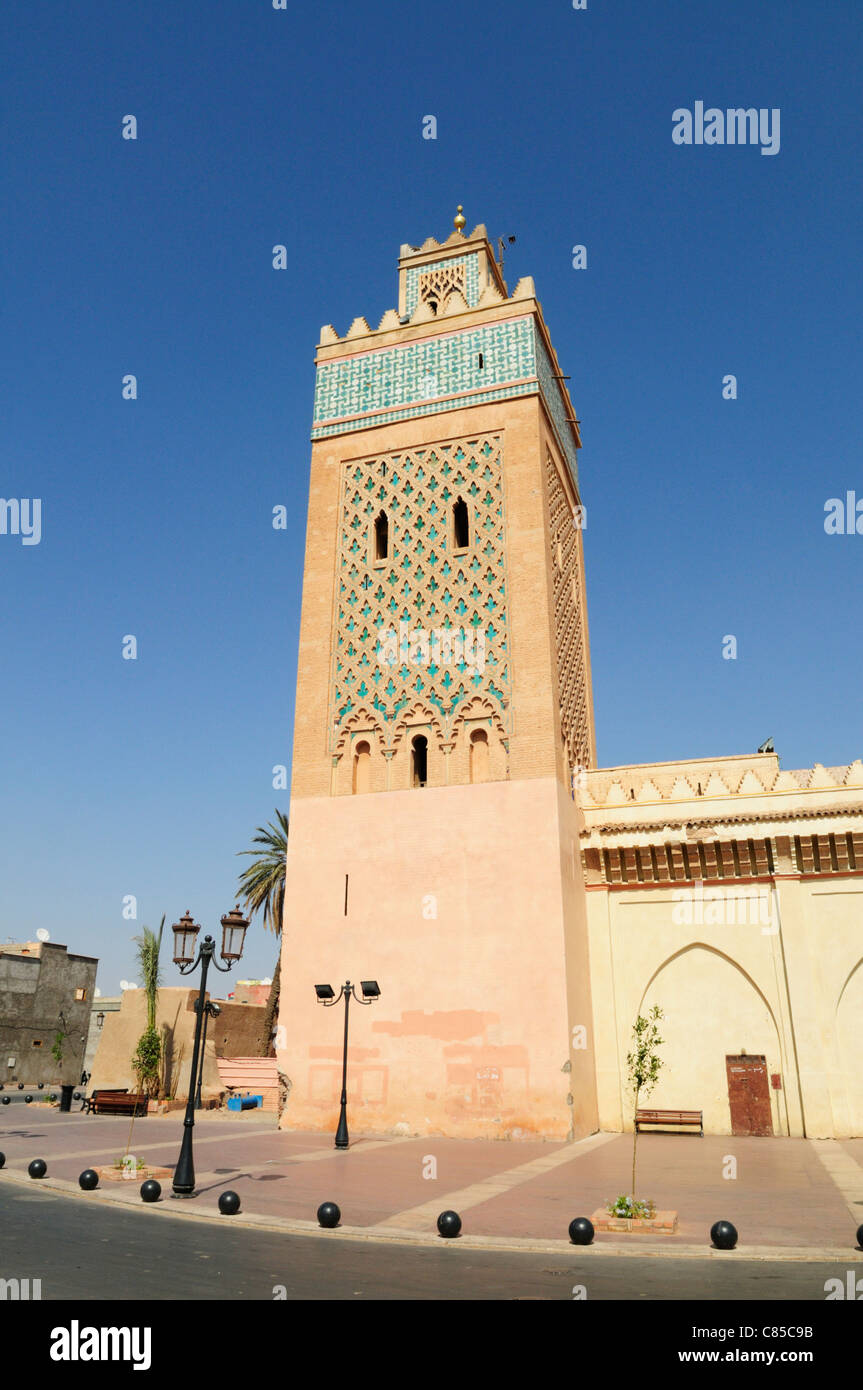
[66,1097]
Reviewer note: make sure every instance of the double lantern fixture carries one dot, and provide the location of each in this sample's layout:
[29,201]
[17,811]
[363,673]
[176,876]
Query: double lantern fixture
[234,928]
[188,956]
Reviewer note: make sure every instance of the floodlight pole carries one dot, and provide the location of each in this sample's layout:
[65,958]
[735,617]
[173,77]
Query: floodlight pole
[342,1131]
[347,992]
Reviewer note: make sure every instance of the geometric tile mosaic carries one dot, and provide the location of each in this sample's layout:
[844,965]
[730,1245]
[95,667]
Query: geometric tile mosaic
[471,277]
[423,582]
[430,375]
[570,643]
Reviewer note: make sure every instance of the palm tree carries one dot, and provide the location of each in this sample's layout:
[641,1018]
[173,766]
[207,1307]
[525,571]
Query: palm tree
[148,1054]
[262,886]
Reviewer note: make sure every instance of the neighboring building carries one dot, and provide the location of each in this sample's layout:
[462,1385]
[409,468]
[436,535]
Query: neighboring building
[102,1006]
[251,992]
[451,835]
[236,1032]
[731,894]
[46,994]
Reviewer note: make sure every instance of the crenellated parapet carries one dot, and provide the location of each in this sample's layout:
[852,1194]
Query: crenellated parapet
[720,819]
[458,338]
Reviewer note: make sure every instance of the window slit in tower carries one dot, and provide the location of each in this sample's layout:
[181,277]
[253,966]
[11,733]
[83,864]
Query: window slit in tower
[382,536]
[702,859]
[798,854]
[419,761]
[816,853]
[834,857]
[735,855]
[669,859]
[768,845]
[849,840]
[461,527]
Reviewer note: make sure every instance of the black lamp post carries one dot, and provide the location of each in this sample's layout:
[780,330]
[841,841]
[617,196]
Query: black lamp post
[234,926]
[211,1010]
[327,996]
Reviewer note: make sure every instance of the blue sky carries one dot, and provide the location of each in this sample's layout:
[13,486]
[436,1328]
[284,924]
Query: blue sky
[304,127]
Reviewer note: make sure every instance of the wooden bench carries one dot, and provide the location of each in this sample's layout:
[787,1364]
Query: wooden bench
[87,1102]
[117,1102]
[690,1119]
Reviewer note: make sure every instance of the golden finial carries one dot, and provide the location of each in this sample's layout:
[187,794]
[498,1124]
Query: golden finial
[459,222]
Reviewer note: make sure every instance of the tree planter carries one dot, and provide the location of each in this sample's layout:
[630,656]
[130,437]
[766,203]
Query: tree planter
[139,1175]
[662,1223]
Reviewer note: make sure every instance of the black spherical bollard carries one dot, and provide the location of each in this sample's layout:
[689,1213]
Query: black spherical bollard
[20,1085]
[53,1096]
[860,1237]
[229,1203]
[581,1231]
[5,1100]
[449,1224]
[76,1095]
[151,1190]
[329,1215]
[28,1100]
[88,1180]
[723,1235]
[2,1160]
[38,1168]
[41,1086]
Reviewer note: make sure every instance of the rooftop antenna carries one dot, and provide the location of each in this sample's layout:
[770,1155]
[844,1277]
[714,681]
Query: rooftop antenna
[501,243]
[767,748]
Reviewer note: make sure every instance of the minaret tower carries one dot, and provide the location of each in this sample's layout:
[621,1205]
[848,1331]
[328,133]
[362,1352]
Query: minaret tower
[443,714]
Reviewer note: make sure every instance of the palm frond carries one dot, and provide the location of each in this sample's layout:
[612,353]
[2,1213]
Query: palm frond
[262,884]
[149,946]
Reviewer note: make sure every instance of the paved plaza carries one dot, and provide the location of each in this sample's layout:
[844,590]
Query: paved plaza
[792,1198]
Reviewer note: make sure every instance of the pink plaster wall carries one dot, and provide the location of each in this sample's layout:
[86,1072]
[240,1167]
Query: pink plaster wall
[472,1033]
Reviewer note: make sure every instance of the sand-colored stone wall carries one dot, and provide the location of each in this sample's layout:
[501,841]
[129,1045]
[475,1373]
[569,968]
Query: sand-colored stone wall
[234,1033]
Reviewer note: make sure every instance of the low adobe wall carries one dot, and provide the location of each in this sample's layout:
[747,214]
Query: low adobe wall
[236,1032]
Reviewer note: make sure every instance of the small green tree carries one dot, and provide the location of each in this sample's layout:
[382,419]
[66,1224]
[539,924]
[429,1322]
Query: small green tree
[148,1053]
[643,1065]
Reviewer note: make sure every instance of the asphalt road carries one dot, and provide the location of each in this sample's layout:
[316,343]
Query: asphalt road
[86,1252]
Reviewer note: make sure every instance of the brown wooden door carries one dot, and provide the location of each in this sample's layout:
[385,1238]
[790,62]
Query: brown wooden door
[749,1095]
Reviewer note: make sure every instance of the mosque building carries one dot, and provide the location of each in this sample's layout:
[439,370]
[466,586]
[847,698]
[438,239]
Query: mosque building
[451,835]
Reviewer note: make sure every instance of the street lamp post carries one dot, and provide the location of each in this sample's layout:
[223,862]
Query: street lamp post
[185,931]
[211,1010]
[327,996]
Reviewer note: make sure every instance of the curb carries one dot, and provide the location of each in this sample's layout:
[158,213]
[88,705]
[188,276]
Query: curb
[527,1245]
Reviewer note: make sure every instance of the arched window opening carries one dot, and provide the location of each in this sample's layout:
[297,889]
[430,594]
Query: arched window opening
[479,756]
[362,768]
[419,761]
[461,527]
[382,536]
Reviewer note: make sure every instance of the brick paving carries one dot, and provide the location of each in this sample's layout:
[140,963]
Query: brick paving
[783,1195]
